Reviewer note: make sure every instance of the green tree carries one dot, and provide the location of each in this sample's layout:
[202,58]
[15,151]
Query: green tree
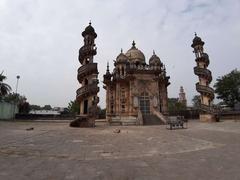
[101,113]
[19,100]
[24,107]
[174,105]
[13,97]
[47,107]
[74,107]
[4,88]
[34,107]
[227,88]
[196,100]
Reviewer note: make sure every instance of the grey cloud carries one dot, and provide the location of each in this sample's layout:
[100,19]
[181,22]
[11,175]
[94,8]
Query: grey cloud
[40,40]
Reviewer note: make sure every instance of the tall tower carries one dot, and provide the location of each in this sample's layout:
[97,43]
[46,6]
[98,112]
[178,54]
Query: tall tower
[88,78]
[205,78]
[182,97]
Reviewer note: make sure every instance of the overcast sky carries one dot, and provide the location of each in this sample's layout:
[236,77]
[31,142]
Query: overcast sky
[40,39]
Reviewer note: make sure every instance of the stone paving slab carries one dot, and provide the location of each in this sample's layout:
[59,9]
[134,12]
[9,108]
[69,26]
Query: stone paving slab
[56,151]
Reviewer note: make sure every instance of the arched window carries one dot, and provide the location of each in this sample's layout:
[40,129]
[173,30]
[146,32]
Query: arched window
[122,71]
[144,102]
[111,102]
[86,82]
[87,60]
[123,99]
[137,63]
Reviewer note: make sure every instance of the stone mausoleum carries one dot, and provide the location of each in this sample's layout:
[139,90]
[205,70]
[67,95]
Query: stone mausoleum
[136,89]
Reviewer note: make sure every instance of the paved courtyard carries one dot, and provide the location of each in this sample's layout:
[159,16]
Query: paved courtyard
[56,151]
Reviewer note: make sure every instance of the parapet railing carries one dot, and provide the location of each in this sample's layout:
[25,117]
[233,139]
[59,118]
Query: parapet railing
[203,72]
[88,90]
[205,89]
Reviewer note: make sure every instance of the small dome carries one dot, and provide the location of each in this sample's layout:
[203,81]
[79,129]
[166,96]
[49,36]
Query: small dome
[197,41]
[135,55]
[155,60]
[89,30]
[121,58]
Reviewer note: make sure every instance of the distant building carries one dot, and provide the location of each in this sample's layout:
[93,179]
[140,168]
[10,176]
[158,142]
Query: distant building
[44,112]
[182,97]
[59,109]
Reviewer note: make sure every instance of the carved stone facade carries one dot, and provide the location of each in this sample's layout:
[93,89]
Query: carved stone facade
[205,78]
[135,89]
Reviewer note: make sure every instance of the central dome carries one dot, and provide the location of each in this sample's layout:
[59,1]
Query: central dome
[135,55]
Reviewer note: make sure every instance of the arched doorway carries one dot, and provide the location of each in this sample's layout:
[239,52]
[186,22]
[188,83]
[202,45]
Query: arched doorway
[85,107]
[144,103]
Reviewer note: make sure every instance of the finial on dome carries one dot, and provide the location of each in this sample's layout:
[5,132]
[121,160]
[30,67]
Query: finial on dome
[121,50]
[181,89]
[195,34]
[133,43]
[154,52]
[90,23]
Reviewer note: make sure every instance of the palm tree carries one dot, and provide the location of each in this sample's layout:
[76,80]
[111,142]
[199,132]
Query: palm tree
[4,88]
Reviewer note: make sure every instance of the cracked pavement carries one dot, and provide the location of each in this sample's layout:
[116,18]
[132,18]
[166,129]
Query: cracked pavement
[55,151]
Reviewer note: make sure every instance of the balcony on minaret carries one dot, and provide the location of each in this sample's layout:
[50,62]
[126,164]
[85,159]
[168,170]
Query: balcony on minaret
[203,89]
[87,90]
[86,70]
[202,72]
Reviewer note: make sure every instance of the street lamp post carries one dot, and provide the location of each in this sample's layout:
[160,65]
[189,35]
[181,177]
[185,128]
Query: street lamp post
[18,77]
[14,105]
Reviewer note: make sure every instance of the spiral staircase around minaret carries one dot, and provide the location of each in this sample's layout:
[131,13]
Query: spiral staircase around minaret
[88,78]
[205,77]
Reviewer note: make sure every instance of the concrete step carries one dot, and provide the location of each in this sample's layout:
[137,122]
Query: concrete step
[151,119]
[114,123]
[125,121]
[130,120]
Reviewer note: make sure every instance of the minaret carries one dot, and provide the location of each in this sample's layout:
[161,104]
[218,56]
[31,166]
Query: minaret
[107,76]
[182,97]
[88,77]
[107,80]
[205,78]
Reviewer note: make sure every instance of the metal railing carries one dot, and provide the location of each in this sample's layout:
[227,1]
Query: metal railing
[140,67]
